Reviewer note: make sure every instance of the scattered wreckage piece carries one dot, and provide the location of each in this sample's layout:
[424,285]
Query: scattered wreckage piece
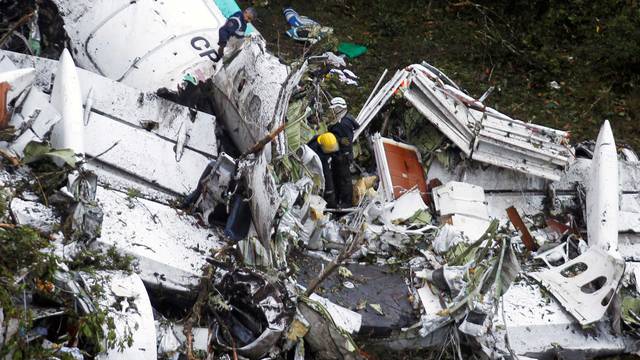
[218,179]
[66,97]
[19,80]
[525,235]
[128,304]
[531,195]
[265,199]
[34,214]
[463,205]
[249,90]
[33,119]
[254,311]
[586,284]
[602,193]
[125,121]
[629,213]
[347,320]
[399,167]
[170,248]
[531,326]
[145,44]
[405,207]
[324,338]
[482,133]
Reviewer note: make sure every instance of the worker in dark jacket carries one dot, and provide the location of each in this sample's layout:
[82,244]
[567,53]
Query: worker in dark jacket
[325,146]
[235,27]
[344,130]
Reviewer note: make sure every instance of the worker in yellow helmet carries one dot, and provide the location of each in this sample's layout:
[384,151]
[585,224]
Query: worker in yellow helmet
[328,149]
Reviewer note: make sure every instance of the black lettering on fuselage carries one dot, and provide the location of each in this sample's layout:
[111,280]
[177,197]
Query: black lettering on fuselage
[201,44]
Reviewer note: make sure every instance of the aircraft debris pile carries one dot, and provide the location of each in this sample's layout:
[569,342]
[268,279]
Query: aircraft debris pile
[470,234]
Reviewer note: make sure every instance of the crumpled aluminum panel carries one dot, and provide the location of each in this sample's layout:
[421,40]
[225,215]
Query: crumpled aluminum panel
[482,133]
[248,90]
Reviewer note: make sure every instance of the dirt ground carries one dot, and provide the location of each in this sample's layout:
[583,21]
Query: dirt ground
[518,47]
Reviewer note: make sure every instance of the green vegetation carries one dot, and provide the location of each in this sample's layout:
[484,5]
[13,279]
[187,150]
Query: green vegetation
[90,261]
[590,49]
[31,270]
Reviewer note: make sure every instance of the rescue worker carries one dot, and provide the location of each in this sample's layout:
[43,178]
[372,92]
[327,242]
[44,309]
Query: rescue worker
[325,145]
[344,130]
[235,27]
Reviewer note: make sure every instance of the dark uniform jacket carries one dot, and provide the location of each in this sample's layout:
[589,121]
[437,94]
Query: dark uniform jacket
[344,130]
[235,26]
[325,159]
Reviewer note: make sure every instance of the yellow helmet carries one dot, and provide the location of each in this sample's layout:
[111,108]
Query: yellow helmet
[328,143]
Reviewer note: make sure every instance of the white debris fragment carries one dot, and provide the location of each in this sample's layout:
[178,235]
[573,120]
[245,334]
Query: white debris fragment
[406,206]
[20,80]
[482,133]
[534,324]
[168,343]
[170,249]
[66,96]
[35,117]
[448,236]
[34,214]
[127,300]
[464,206]
[554,85]
[585,285]
[602,193]
[345,319]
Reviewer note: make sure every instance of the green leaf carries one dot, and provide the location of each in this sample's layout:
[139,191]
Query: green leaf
[35,151]
[86,331]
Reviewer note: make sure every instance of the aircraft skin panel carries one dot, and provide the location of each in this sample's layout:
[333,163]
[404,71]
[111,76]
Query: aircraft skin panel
[113,38]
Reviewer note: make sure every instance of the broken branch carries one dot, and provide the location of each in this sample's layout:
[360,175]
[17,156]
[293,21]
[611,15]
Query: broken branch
[267,139]
[196,310]
[15,26]
[346,253]
[13,160]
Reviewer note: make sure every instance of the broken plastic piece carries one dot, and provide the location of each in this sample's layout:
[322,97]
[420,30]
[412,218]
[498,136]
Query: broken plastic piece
[352,50]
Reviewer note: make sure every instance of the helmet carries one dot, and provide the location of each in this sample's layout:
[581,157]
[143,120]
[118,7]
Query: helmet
[338,102]
[328,143]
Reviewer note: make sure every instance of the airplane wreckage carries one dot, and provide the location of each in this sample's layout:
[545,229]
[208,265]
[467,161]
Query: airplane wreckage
[472,234]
